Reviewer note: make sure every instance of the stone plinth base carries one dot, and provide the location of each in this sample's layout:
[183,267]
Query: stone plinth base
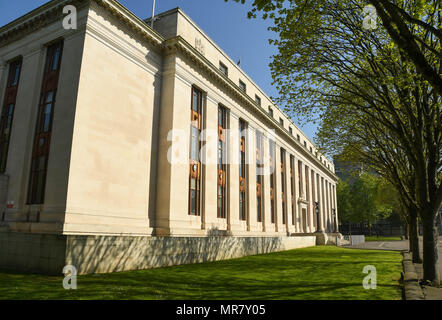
[323,239]
[48,254]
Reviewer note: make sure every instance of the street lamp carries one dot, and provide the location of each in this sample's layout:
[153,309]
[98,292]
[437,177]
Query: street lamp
[318,226]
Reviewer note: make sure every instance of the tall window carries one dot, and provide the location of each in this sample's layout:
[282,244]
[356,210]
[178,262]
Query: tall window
[293,185]
[272,181]
[283,186]
[222,126]
[195,147]
[7,113]
[242,171]
[43,128]
[259,176]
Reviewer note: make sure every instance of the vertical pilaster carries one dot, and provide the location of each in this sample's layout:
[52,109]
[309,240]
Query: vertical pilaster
[3,78]
[233,222]
[303,217]
[23,128]
[278,198]
[173,155]
[266,221]
[210,162]
[330,213]
[288,194]
[310,201]
[323,206]
[335,207]
[297,197]
[314,199]
[252,222]
[319,199]
[291,201]
[327,204]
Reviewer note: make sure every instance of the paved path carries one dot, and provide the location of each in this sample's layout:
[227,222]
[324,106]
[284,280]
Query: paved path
[383,245]
[429,292]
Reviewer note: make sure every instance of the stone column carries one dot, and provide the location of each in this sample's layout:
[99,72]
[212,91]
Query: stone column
[323,206]
[233,222]
[326,213]
[311,206]
[287,190]
[210,163]
[252,220]
[303,224]
[288,194]
[329,207]
[291,202]
[319,199]
[278,198]
[23,126]
[266,221]
[173,157]
[297,196]
[3,178]
[3,78]
[314,199]
[335,207]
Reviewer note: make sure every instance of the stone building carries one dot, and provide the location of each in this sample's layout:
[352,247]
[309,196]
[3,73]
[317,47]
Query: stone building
[126,147]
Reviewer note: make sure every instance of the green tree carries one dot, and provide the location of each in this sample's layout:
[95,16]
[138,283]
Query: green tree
[363,199]
[369,90]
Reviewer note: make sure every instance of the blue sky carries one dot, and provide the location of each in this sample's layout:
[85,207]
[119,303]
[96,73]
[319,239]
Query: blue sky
[225,22]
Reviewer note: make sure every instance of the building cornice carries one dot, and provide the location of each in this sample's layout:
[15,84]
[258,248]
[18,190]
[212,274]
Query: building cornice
[36,19]
[131,20]
[53,11]
[181,45]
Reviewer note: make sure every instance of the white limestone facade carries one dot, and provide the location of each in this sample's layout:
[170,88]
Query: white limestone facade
[122,111]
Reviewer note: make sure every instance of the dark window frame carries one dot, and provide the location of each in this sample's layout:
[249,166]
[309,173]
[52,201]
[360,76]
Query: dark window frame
[44,123]
[272,151]
[283,186]
[259,177]
[222,165]
[195,184]
[243,181]
[7,112]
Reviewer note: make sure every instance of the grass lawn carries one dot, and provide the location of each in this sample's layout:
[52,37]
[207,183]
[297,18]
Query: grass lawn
[389,238]
[309,273]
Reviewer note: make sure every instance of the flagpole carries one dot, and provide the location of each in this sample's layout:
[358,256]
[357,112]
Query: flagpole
[153,14]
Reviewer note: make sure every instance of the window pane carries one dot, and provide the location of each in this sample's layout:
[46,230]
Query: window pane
[193,201]
[56,58]
[47,117]
[49,96]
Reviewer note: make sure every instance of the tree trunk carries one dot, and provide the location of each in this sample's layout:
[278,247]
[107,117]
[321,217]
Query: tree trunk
[414,237]
[431,269]
[406,231]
